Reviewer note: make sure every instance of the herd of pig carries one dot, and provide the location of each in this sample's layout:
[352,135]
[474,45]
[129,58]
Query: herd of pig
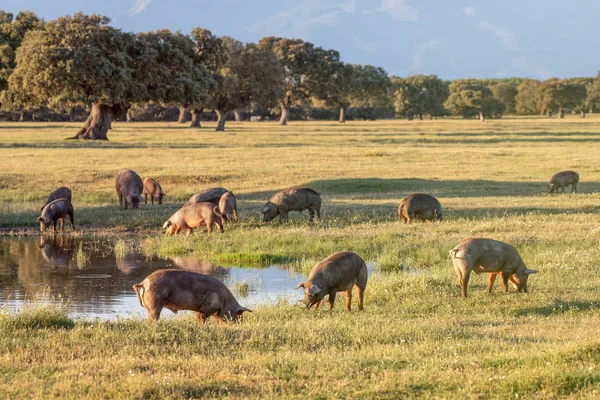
[206,296]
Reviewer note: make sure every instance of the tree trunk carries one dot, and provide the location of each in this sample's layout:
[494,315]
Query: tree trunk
[222,117]
[129,118]
[195,118]
[238,116]
[420,117]
[25,116]
[560,114]
[72,114]
[582,113]
[284,115]
[342,115]
[97,124]
[481,118]
[183,114]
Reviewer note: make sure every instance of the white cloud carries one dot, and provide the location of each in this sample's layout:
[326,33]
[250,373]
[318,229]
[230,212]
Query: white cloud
[364,44]
[417,60]
[139,6]
[523,64]
[507,39]
[470,12]
[399,10]
[297,21]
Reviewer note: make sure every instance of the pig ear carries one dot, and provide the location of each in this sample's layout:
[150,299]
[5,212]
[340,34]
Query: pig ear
[314,289]
[241,310]
[530,271]
[39,219]
[265,209]
[167,224]
[300,285]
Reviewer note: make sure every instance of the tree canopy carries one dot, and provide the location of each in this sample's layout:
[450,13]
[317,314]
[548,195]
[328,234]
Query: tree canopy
[469,97]
[419,95]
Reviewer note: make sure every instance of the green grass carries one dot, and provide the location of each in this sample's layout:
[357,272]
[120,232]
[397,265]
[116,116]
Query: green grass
[416,337]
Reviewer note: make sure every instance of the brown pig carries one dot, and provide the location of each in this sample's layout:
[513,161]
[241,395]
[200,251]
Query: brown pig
[62,192]
[563,179]
[212,195]
[228,207]
[129,188]
[419,206]
[488,255]
[339,272]
[294,199]
[186,290]
[55,211]
[194,216]
[153,189]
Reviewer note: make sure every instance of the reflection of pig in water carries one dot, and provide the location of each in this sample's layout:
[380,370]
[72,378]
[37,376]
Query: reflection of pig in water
[199,265]
[129,263]
[59,253]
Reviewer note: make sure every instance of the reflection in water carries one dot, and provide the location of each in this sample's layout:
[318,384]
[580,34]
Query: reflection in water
[51,269]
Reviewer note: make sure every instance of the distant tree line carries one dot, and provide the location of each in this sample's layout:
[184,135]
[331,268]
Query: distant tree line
[79,66]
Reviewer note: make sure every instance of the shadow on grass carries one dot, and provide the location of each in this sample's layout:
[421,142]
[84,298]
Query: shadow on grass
[560,307]
[377,188]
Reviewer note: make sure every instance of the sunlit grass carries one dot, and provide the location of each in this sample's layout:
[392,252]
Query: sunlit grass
[416,337]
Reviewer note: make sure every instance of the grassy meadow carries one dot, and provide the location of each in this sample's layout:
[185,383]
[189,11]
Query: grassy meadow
[416,338]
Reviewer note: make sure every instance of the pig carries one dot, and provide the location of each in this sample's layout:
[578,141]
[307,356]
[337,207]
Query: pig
[153,189]
[62,192]
[563,179]
[294,199]
[54,211]
[194,216]
[129,188]
[339,272]
[488,255]
[186,290]
[212,195]
[228,207]
[419,206]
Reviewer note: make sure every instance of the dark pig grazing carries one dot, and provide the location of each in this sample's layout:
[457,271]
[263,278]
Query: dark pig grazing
[55,211]
[153,189]
[62,192]
[294,199]
[563,179]
[194,216]
[491,256]
[339,272]
[212,195]
[129,187]
[419,206]
[185,290]
[228,207]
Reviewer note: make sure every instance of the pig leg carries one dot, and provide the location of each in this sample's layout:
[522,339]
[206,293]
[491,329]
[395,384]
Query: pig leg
[505,278]
[54,226]
[154,308]
[317,304]
[574,188]
[491,280]
[348,299]
[201,317]
[62,224]
[331,299]
[219,223]
[72,218]
[361,296]
[145,198]
[120,199]
[311,214]
[318,210]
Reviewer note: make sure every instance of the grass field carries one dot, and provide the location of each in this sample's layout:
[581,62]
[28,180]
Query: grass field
[416,337]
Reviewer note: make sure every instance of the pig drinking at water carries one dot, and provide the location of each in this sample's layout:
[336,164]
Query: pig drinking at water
[54,211]
[493,257]
[228,207]
[194,216]
[62,192]
[129,188]
[213,195]
[185,290]
[295,199]
[153,189]
[419,206]
[339,272]
[563,179]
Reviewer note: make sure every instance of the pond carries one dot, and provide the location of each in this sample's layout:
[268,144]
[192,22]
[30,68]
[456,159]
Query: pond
[94,282]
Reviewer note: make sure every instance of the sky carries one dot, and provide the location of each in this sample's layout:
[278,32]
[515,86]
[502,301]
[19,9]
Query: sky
[450,38]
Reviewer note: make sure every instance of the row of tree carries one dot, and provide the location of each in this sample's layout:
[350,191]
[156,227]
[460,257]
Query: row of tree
[81,61]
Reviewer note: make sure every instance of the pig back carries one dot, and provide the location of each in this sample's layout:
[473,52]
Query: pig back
[420,202]
[212,195]
[297,199]
[129,183]
[340,270]
[487,255]
[565,178]
[57,209]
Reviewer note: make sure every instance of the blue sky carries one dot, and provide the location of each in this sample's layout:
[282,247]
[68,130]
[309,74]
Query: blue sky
[450,38]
